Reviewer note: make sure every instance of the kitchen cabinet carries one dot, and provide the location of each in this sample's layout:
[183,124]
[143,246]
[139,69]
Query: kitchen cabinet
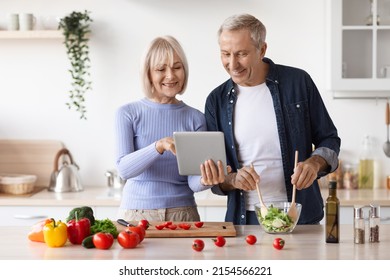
[34,34]
[359,43]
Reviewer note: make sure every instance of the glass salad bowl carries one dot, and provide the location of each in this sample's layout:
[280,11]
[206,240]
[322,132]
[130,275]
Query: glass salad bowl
[276,220]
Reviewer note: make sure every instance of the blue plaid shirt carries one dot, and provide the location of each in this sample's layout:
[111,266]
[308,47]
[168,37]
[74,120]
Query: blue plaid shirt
[302,121]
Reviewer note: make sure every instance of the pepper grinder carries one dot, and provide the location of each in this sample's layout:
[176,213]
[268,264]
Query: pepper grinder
[374,221]
[359,225]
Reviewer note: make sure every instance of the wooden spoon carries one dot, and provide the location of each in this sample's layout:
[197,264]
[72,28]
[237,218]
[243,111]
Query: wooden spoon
[263,208]
[292,212]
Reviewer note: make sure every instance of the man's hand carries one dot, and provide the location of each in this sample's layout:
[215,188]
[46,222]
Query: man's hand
[307,171]
[245,179]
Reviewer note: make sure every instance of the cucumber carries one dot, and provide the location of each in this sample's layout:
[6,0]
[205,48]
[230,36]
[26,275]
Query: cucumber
[88,242]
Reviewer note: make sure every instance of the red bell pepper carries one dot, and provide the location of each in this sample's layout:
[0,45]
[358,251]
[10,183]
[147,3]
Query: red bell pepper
[78,229]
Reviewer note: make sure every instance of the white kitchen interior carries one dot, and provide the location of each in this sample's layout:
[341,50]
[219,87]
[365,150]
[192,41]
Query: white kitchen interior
[34,77]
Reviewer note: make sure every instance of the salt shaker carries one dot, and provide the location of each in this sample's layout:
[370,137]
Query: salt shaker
[374,221]
[359,225]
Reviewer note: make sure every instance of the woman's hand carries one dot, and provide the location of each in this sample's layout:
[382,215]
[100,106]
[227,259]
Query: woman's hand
[166,144]
[212,174]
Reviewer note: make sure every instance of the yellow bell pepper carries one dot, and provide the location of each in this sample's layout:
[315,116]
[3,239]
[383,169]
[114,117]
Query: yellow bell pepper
[55,234]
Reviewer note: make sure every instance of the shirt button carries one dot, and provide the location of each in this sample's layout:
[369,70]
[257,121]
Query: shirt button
[230,123]
[241,193]
[232,147]
[231,101]
[232,90]
[298,106]
[242,216]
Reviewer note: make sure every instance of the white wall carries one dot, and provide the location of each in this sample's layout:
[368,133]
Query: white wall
[34,80]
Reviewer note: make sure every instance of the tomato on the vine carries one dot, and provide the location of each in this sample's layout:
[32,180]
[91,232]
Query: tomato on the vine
[144,223]
[251,239]
[103,240]
[198,224]
[138,229]
[219,241]
[198,245]
[278,243]
[128,239]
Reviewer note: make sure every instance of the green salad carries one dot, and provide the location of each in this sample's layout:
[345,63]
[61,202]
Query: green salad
[276,220]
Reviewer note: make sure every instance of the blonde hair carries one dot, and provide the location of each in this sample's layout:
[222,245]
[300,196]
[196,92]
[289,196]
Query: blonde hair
[246,21]
[161,50]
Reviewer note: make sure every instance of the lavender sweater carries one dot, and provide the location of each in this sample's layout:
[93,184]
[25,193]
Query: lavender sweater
[153,180]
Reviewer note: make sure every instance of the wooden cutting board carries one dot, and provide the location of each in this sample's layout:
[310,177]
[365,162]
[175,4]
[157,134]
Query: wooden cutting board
[211,229]
[29,157]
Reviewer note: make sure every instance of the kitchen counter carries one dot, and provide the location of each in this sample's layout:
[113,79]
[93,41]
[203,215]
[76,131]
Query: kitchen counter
[92,196]
[102,196]
[307,242]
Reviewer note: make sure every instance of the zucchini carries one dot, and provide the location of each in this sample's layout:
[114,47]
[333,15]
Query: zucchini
[88,242]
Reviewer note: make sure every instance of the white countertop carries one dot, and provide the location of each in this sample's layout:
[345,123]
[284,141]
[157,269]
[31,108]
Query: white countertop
[103,196]
[305,243]
[93,196]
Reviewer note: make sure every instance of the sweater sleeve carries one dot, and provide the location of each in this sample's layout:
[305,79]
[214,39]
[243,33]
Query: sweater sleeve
[126,153]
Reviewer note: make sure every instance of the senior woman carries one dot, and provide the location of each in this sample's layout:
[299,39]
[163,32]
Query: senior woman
[154,190]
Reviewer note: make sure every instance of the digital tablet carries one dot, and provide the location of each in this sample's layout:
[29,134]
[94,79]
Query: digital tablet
[195,147]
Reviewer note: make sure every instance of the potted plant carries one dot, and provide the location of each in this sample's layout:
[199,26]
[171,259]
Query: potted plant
[75,28]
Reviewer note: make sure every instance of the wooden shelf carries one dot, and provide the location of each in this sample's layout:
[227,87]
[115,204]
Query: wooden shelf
[33,34]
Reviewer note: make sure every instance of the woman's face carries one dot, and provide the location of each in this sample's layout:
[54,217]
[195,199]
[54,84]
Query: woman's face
[167,80]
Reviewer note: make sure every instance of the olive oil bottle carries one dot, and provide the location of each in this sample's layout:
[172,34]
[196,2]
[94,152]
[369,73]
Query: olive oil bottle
[332,213]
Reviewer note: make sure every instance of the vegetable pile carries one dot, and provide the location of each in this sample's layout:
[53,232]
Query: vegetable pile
[276,220]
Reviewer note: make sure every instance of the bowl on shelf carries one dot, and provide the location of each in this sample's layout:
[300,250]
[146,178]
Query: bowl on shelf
[17,183]
[277,220]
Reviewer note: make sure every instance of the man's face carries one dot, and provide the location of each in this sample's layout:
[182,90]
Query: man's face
[241,59]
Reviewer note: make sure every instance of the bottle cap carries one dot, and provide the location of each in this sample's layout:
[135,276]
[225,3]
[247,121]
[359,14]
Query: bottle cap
[332,184]
[374,211]
[358,212]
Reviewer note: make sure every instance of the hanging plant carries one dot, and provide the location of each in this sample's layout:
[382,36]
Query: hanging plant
[75,28]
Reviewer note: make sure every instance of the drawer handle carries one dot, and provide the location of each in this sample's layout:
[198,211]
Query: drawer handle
[29,217]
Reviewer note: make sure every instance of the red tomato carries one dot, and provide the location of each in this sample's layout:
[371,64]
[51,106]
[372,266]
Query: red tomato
[103,240]
[160,227]
[198,224]
[144,223]
[219,241]
[278,243]
[128,239]
[185,226]
[138,229]
[172,226]
[198,245]
[251,239]
[167,224]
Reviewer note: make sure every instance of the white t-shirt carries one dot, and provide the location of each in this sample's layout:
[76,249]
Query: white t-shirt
[257,141]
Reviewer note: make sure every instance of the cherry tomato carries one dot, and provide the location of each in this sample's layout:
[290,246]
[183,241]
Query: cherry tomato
[278,243]
[167,224]
[185,226]
[198,245]
[144,223]
[219,241]
[198,224]
[128,239]
[103,240]
[251,239]
[138,229]
[172,226]
[159,227]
